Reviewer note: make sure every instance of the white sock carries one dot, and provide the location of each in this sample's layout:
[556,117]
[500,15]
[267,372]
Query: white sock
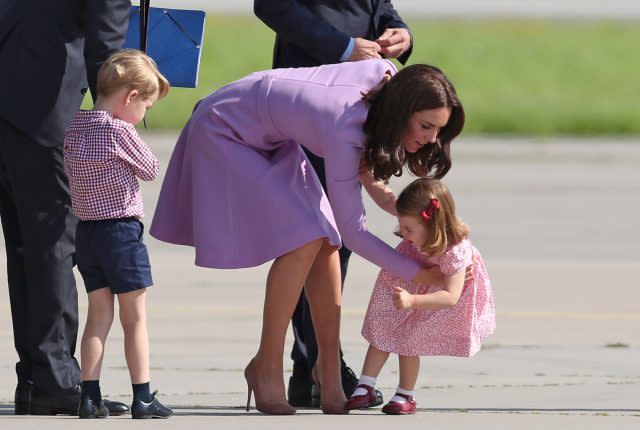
[402,399]
[364,380]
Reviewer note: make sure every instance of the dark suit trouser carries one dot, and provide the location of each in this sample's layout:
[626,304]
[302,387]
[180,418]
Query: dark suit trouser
[305,347]
[39,228]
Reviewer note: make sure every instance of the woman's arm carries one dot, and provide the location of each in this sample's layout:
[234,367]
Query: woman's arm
[380,193]
[445,298]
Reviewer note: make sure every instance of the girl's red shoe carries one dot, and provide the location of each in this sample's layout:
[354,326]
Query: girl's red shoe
[397,408]
[362,401]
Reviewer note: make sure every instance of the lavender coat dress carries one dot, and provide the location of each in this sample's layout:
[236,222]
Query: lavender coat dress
[241,191]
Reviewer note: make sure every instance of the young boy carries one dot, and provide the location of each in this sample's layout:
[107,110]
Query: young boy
[103,155]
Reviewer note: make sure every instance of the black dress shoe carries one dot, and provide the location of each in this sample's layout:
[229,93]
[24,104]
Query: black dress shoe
[59,403]
[349,380]
[67,403]
[299,392]
[153,409]
[379,399]
[22,398]
[115,408]
[88,409]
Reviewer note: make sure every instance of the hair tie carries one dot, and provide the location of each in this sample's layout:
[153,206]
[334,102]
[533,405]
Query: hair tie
[428,214]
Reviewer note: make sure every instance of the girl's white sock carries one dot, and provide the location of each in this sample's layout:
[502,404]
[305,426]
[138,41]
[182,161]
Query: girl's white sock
[364,380]
[402,399]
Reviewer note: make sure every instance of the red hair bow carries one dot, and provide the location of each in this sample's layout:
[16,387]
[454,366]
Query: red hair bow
[430,211]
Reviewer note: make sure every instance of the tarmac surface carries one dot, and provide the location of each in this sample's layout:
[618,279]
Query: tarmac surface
[556,222]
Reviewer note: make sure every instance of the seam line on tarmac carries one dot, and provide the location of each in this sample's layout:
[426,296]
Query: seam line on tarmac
[251,310]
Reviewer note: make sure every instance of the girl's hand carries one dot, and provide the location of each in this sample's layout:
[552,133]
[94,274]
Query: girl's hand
[402,299]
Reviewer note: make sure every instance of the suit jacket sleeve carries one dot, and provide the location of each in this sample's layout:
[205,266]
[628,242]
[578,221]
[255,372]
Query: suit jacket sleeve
[296,24]
[388,18]
[10,13]
[106,27]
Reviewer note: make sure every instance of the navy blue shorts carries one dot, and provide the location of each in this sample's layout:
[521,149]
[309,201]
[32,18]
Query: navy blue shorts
[110,253]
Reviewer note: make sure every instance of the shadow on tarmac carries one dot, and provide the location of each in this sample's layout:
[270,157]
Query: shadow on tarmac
[226,411]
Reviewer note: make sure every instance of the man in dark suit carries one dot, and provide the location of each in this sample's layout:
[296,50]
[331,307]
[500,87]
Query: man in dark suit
[50,52]
[312,33]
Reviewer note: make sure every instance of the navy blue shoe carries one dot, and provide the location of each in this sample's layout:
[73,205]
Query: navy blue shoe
[89,409]
[153,409]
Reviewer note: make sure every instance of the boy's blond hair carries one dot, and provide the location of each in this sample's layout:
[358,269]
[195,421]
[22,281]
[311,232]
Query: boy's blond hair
[134,70]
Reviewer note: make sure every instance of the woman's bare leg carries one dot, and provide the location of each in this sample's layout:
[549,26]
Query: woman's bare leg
[284,285]
[322,289]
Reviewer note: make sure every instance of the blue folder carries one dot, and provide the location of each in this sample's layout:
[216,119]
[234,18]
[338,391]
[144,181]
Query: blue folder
[174,41]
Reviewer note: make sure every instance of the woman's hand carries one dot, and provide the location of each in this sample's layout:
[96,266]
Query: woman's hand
[435,276]
[402,299]
[468,273]
[429,276]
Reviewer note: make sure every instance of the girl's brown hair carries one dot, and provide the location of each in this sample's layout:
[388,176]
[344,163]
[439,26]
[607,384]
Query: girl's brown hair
[415,88]
[444,228]
[134,70]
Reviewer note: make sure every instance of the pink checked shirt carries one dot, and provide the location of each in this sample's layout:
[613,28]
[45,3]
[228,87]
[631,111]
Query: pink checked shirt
[102,157]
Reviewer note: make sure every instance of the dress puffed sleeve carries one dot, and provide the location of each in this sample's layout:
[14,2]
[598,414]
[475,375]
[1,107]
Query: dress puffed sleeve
[454,258]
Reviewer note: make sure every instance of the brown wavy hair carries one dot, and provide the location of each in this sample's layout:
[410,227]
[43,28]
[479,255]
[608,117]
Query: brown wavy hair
[391,103]
[444,228]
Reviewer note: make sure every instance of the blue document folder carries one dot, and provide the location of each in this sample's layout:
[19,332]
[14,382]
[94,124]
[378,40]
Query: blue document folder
[174,41]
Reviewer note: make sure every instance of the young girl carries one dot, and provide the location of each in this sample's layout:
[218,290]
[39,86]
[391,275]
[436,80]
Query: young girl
[412,319]
[103,155]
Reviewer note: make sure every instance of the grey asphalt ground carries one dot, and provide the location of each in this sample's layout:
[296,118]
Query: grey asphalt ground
[557,224]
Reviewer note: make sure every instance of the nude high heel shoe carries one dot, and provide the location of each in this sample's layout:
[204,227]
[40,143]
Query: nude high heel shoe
[329,407]
[266,407]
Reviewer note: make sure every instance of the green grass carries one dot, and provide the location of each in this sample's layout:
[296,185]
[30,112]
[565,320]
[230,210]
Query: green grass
[617,345]
[513,76]
[537,77]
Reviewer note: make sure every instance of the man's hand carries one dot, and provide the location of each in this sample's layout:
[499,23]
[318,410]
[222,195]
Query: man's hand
[402,299]
[393,42]
[364,49]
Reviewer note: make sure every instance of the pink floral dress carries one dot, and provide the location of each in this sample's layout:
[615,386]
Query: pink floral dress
[456,331]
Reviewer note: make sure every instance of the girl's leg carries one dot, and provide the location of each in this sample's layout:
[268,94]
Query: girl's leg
[133,316]
[374,361]
[403,402]
[99,319]
[409,367]
[284,283]
[364,395]
[322,289]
